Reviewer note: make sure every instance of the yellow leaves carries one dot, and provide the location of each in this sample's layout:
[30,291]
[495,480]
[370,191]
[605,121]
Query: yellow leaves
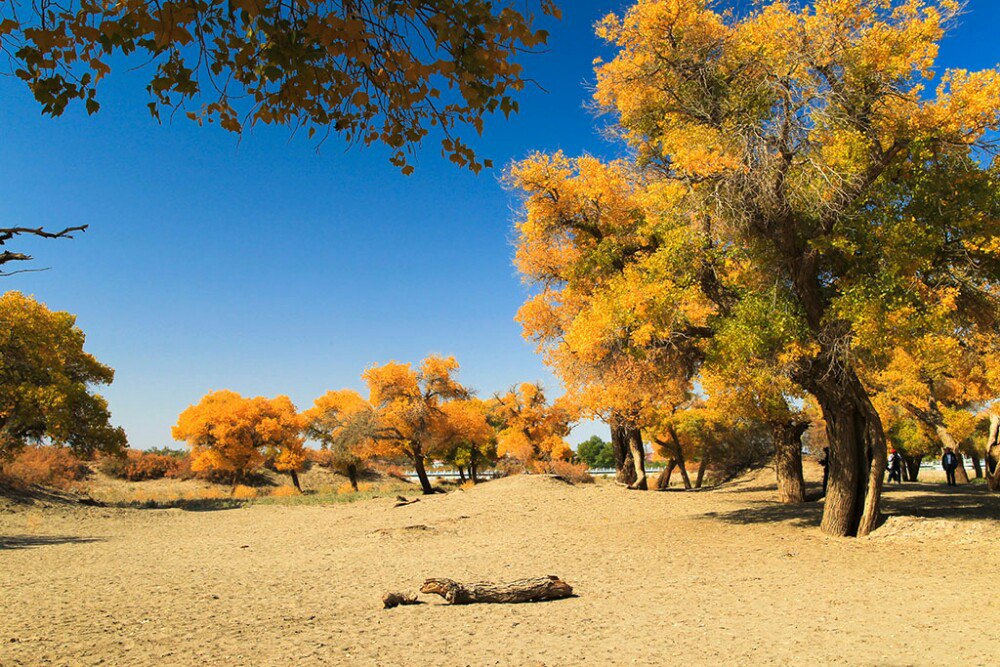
[232,434]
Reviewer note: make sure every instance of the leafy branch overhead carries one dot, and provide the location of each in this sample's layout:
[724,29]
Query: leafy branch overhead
[373,71]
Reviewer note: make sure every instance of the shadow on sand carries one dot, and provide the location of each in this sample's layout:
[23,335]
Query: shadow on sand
[970,502]
[31,541]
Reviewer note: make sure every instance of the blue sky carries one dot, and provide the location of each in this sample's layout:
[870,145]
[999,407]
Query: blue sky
[264,266]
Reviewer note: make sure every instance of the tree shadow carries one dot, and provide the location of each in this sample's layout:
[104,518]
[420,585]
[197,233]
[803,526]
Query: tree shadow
[927,501]
[806,515]
[188,505]
[32,541]
[969,502]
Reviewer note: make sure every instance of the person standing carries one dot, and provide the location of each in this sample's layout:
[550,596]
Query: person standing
[895,467]
[825,462]
[949,462]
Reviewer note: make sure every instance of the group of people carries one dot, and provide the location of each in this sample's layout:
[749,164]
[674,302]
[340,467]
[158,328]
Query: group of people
[949,461]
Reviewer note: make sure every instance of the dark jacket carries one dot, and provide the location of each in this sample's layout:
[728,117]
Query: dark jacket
[949,460]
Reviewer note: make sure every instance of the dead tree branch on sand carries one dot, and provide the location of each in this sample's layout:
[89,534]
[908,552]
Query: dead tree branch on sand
[523,590]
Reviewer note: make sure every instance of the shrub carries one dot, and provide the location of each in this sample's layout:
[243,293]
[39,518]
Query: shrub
[242,492]
[465,486]
[508,466]
[285,491]
[47,466]
[137,466]
[574,473]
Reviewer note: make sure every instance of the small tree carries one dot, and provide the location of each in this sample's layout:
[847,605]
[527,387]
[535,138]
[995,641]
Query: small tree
[596,453]
[233,436]
[340,420]
[45,382]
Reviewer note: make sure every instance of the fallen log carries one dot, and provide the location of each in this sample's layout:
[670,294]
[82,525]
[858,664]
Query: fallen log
[401,501]
[522,590]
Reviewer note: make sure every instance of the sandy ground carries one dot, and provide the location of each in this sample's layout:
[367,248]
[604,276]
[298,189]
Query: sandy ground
[721,577]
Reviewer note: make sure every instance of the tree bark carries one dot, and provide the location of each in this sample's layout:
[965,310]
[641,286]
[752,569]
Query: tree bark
[911,467]
[523,590]
[352,476]
[679,456]
[638,453]
[295,480]
[472,466]
[624,466]
[663,479]
[993,455]
[461,474]
[976,465]
[418,465]
[788,460]
[702,466]
[857,458]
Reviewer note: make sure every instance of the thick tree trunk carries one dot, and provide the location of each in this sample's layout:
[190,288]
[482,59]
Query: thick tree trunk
[911,467]
[788,460]
[663,479]
[418,465]
[976,465]
[638,453]
[624,466]
[352,476]
[461,474]
[523,590]
[702,467]
[295,480]
[993,455]
[857,459]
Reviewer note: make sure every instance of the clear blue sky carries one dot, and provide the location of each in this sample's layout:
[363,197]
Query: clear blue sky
[265,267]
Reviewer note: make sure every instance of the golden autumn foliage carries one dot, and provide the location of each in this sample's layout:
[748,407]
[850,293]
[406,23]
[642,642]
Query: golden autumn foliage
[800,202]
[529,428]
[233,436]
[373,72]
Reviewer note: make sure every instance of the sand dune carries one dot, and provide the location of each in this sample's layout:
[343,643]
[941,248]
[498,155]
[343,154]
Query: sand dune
[725,577]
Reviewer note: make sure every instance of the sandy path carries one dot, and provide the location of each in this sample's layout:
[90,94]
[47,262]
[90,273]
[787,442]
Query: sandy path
[700,578]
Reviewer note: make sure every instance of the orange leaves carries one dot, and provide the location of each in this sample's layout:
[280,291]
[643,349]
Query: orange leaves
[529,428]
[234,435]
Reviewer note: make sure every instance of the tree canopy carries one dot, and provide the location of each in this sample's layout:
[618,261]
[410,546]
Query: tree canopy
[46,381]
[797,198]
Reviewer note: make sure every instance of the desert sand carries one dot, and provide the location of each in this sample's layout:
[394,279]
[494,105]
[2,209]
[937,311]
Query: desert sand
[711,577]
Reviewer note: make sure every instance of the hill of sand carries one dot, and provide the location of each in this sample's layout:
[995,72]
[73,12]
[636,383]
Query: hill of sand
[710,577]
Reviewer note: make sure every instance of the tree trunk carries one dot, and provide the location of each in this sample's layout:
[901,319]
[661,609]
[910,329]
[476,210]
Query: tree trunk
[352,476]
[624,466]
[523,590]
[679,456]
[472,466]
[788,460]
[295,480]
[911,467]
[993,455]
[857,458]
[461,474]
[638,453]
[702,466]
[418,465]
[663,479]
[976,465]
